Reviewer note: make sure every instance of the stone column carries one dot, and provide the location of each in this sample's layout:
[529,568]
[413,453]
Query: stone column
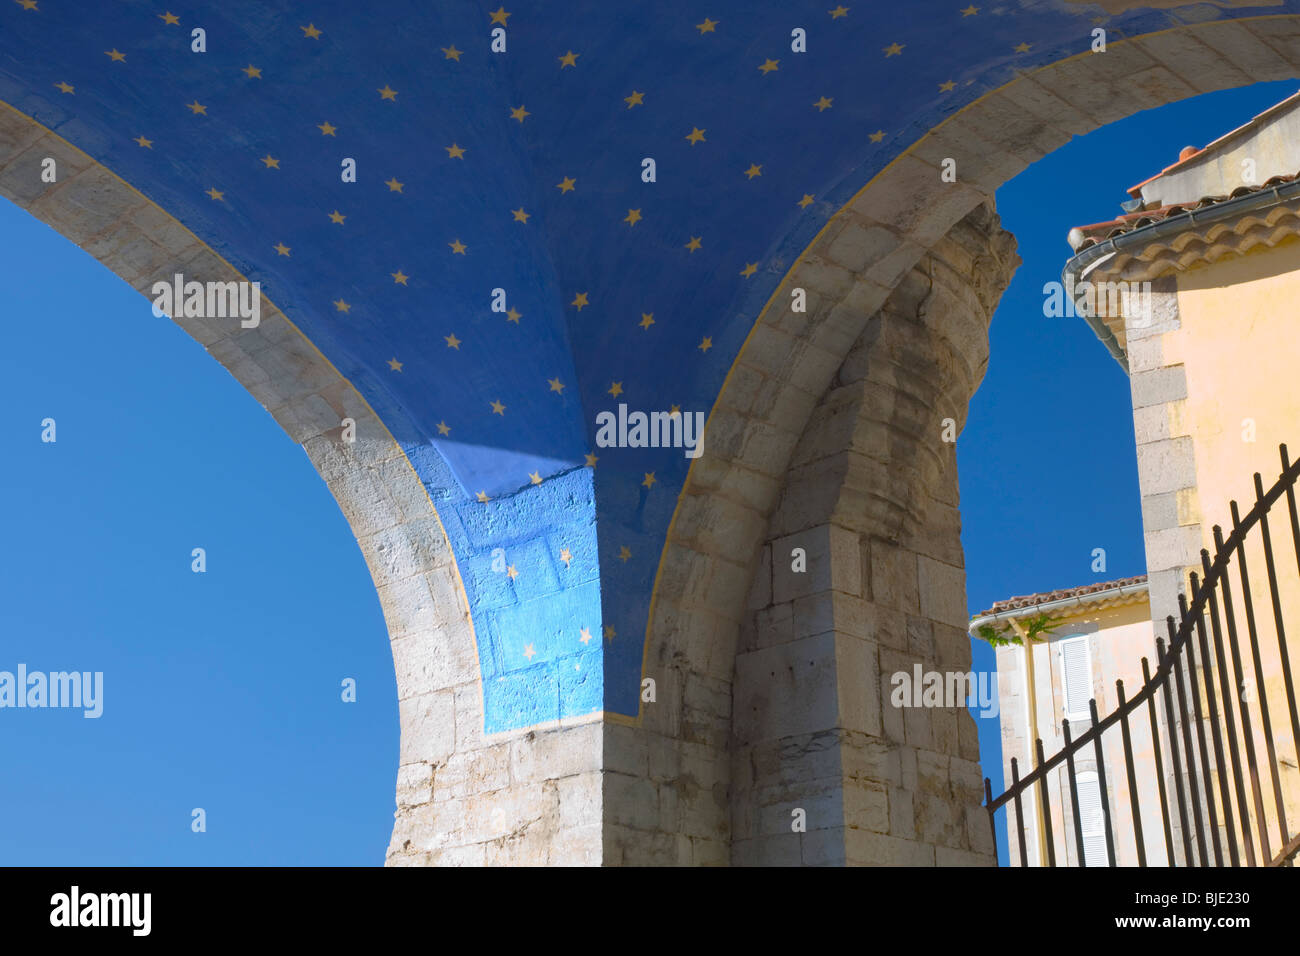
[870,500]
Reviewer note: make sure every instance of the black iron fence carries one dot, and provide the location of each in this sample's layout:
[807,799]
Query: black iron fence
[1220,775]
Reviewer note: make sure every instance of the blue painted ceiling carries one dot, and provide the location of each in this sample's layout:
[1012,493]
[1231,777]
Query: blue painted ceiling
[522,171]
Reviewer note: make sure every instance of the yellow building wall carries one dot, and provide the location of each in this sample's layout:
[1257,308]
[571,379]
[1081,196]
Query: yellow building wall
[1239,343]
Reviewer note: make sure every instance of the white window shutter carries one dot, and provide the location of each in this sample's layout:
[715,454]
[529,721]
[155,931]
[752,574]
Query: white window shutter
[1076,678]
[1094,824]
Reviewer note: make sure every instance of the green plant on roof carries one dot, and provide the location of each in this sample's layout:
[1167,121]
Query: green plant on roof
[1034,628]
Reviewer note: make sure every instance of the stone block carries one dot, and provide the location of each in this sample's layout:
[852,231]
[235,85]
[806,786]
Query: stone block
[428,727]
[942,591]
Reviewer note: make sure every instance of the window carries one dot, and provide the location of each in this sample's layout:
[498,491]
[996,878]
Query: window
[1076,678]
[1094,824]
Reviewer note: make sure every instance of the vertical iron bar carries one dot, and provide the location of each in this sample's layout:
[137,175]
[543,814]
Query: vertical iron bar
[1248,604]
[1238,683]
[1295,540]
[1074,790]
[1101,784]
[1160,766]
[1193,688]
[1173,754]
[1177,666]
[1134,802]
[1020,815]
[1282,653]
[993,827]
[1047,810]
[1207,663]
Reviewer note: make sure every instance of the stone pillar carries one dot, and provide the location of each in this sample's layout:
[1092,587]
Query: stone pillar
[870,499]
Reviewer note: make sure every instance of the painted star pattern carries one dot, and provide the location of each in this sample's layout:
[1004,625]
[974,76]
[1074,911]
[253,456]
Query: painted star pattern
[613,289]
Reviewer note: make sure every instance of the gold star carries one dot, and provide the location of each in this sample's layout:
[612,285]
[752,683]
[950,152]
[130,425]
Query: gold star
[270,161]
[337,217]
[281,248]
[169,18]
[520,215]
[693,244]
[566,556]
[674,411]
[216,194]
[452,341]
[451,53]
[749,270]
[706,344]
[838,12]
[310,31]
[144,143]
[498,408]
[388,93]
[1023,47]
[768,66]
[393,185]
[708,26]
[753,171]
[254,73]
[484,499]
[647,320]
[567,185]
[454,151]
[649,480]
[877,136]
[399,277]
[624,554]
[197,108]
[616,389]
[633,217]
[500,16]
[580,300]
[519,113]
[535,477]
[528,651]
[28,5]
[115,55]
[342,306]
[823,104]
[894,49]
[696,135]
[585,635]
[806,201]
[66,87]
[569,59]
[511,573]
[556,385]
[636,99]
[443,428]
[609,633]
[457,247]
[591,461]
[947,87]
[395,365]
[326,129]
[513,316]
[970,11]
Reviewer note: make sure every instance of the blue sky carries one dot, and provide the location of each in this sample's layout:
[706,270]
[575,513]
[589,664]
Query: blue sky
[222,690]
[1047,461]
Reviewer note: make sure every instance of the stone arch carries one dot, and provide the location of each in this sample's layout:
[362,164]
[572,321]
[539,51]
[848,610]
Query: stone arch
[657,789]
[715,543]
[388,509]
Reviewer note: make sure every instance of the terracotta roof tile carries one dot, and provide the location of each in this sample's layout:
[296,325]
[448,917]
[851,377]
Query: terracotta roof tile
[1081,237]
[1042,597]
